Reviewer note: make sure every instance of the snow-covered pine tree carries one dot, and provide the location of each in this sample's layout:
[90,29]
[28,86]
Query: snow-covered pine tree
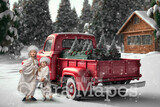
[102,48]
[94,7]
[64,17]
[100,19]
[86,43]
[74,20]
[113,51]
[89,48]
[154,12]
[36,22]
[16,45]
[7,32]
[102,42]
[86,15]
[80,47]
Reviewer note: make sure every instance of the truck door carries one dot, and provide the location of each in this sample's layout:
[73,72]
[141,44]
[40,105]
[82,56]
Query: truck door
[47,51]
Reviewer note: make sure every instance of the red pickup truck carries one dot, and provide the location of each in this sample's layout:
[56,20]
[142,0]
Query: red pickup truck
[77,74]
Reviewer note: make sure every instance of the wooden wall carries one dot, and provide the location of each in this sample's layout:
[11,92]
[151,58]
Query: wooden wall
[142,28]
[138,48]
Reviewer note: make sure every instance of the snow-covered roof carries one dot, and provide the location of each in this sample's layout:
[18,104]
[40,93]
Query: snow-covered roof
[143,15]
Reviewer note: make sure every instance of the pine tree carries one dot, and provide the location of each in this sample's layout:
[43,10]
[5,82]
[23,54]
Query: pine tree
[7,32]
[94,7]
[64,17]
[90,48]
[102,42]
[36,22]
[86,43]
[74,46]
[80,46]
[86,15]
[74,20]
[113,51]
[16,45]
[154,12]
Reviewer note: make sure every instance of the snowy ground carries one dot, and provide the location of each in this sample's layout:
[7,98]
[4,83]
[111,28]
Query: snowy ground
[149,96]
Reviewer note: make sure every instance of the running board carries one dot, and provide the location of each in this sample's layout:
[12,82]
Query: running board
[134,85]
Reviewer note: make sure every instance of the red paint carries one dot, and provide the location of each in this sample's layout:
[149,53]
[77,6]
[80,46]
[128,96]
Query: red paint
[90,70]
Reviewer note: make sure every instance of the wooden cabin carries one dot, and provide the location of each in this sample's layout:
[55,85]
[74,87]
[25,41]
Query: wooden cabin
[138,32]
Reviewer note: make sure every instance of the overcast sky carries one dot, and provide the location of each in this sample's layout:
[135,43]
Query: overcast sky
[54,5]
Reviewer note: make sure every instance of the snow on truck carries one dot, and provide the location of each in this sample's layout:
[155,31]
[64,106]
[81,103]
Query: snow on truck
[82,74]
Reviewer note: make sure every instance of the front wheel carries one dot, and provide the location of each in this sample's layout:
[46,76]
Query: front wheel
[71,90]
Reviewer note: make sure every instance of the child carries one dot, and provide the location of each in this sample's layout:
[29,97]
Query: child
[43,76]
[27,83]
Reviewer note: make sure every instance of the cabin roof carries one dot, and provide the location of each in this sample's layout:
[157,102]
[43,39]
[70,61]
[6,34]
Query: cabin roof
[143,15]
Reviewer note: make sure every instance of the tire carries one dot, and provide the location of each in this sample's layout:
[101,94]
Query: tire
[71,90]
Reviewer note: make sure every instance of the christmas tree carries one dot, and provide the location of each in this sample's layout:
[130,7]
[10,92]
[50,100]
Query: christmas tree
[113,51]
[86,43]
[36,23]
[74,47]
[102,42]
[8,33]
[89,48]
[102,49]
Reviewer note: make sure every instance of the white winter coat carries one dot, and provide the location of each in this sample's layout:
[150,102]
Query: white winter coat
[27,82]
[44,73]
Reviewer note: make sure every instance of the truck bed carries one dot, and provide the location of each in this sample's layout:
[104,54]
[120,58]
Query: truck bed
[104,71]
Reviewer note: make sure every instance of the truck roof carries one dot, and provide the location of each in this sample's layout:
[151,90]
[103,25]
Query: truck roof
[70,33]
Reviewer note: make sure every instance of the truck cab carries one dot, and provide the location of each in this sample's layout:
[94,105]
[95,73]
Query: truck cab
[55,44]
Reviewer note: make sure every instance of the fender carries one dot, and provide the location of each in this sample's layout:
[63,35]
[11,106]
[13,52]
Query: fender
[81,76]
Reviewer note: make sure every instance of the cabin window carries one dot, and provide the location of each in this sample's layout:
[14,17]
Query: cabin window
[148,39]
[137,40]
[140,40]
[48,45]
[129,40]
[136,20]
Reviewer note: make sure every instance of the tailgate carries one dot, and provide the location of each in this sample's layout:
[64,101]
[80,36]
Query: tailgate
[118,69]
